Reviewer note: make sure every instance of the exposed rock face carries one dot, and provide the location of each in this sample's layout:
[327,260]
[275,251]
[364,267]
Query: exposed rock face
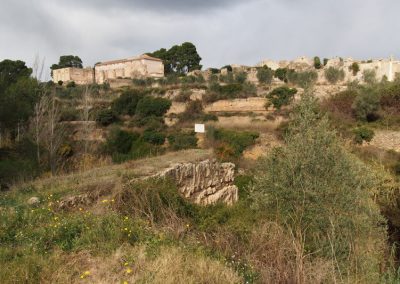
[206,182]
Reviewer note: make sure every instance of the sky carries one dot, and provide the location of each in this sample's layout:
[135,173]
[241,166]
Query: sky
[224,31]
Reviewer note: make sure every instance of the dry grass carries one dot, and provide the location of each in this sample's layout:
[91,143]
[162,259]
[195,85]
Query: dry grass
[135,265]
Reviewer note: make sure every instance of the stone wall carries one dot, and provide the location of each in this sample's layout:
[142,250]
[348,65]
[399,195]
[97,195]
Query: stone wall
[80,76]
[206,182]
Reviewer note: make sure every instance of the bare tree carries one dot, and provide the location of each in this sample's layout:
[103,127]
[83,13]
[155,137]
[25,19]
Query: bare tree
[85,116]
[37,123]
[53,131]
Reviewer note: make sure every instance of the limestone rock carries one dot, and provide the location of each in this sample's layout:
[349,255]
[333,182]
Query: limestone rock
[33,201]
[206,182]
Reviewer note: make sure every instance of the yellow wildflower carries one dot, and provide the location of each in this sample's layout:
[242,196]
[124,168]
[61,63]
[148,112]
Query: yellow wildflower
[128,271]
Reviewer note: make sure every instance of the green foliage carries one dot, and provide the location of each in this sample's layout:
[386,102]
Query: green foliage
[149,106]
[326,61]
[237,141]
[193,111]
[265,75]
[179,59]
[183,96]
[11,71]
[241,77]
[71,84]
[281,96]
[120,141]
[317,63]
[230,91]
[304,79]
[68,61]
[334,75]
[154,137]
[281,74]
[366,104]
[106,117]
[69,114]
[321,194]
[227,67]
[362,134]
[127,102]
[369,76]
[182,140]
[355,68]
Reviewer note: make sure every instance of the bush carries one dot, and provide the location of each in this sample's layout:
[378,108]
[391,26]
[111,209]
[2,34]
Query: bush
[355,68]
[326,61]
[183,96]
[362,134]
[127,102]
[69,114]
[193,111]
[334,75]
[304,79]
[150,106]
[265,75]
[281,74]
[231,143]
[366,104]
[317,63]
[281,96]
[71,84]
[182,140]
[120,141]
[241,77]
[313,187]
[153,137]
[106,117]
[369,76]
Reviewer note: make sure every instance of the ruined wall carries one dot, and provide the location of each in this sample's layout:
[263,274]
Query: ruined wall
[206,182]
[80,76]
[253,104]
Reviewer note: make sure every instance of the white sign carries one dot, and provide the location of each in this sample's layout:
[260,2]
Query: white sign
[199,128]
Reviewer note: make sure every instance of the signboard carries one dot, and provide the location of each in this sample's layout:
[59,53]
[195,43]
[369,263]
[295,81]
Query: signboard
[199,128]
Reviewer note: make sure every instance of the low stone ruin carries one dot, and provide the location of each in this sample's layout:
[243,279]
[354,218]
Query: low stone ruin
[206,182]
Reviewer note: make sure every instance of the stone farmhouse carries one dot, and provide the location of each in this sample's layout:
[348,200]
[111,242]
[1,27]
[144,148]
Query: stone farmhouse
[142,66]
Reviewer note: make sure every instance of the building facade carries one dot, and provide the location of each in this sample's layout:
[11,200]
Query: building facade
[142,66]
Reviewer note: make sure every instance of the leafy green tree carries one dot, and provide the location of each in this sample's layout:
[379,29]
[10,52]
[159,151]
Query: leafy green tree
[265,75]
[127,102]
[11,71]
[334,75]
[179,59]
[321,194]
[67,61]
[281,96]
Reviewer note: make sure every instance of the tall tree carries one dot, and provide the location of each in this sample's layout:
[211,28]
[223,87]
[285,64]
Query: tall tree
[11,71]
[179,59]
[68,61]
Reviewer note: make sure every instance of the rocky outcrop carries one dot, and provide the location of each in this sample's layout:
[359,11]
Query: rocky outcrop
[206,182]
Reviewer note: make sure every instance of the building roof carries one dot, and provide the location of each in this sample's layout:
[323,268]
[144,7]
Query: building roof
[140,57]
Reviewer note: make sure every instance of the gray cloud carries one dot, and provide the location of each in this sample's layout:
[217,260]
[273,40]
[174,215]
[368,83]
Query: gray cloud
[243,32]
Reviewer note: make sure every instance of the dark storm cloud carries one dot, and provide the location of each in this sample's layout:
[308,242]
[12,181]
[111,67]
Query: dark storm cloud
[225,32]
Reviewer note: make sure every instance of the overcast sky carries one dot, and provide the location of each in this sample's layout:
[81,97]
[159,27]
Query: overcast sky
[224,31]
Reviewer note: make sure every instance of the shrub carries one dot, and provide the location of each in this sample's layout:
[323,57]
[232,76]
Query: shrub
[182,140]
[71,84]
[362,134]
[281,74]
[183,96]
[241,77]
[355,68]
[227,67]
[106,117]
[366,104]
[228,78]
[313,187]
[149,106]
[326,61]
[281,96]
[69,114]
[233,142]
[334,75]
[369,76]
[317,63]
[304,79]
[265,75]
[193,111]
[127,102]
[60,83]
[120,141]
[153,137]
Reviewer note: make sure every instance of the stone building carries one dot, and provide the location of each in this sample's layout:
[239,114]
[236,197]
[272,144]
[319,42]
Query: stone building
[142,66]
[80,76]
